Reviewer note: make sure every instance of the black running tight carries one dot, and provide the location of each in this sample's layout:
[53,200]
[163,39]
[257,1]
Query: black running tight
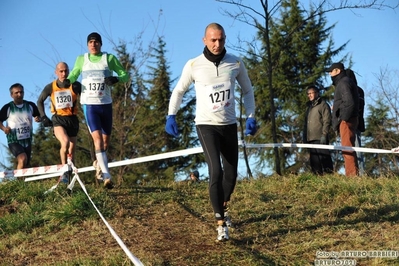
[220,145]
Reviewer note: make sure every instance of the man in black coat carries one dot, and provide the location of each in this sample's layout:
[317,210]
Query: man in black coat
[361,127]
[345,114]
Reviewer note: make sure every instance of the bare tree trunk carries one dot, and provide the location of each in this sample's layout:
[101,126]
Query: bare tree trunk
[271,90]
[244,147]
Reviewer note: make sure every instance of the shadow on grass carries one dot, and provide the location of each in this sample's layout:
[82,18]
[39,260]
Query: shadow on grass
[150,189]
[192,212]
[259,257]
[128,191]
[387,213]
[239,243]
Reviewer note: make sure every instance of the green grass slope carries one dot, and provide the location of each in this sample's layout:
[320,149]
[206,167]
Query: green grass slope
[277,221]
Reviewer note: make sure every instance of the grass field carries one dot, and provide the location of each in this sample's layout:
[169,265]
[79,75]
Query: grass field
[277,221]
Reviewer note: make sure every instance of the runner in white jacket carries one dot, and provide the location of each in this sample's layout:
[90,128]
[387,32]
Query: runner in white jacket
[214,74]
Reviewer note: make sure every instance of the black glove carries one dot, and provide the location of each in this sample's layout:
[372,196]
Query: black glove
[66,83]
[46,121]
[323,139]
[111,80]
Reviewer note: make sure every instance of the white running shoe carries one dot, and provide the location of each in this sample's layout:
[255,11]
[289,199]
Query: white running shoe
[223,233]
[227,220]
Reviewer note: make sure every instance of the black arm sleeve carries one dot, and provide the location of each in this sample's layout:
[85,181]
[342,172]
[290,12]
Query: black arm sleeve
[77,87]
[43,96]
[34,108]
[4,112]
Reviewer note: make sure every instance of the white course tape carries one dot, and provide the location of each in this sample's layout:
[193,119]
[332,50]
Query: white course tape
[70,186]
[43,176]
[75,178]
[134,259]
[52,188]
[130,161]
[54,170]
[33,171]
[321,146]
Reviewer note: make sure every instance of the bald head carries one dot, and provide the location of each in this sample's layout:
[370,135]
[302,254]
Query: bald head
[61,64]
[62,71]
[214,38]
[214,26]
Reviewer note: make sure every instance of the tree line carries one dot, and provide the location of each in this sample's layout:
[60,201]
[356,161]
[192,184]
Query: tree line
[289,52]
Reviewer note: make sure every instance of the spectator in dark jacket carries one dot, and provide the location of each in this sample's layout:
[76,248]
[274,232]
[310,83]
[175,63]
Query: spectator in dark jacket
[317,126]
[194,176]
[361,127]
[345,114]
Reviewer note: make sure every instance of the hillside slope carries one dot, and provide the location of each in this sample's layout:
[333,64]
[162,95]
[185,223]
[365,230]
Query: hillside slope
[277,220]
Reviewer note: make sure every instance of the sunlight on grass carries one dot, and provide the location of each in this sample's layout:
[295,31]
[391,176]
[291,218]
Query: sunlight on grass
[277,221]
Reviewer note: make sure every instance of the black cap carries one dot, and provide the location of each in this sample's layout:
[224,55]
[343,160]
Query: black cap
[313,87]
[334,66]
[95,36]
[196,174]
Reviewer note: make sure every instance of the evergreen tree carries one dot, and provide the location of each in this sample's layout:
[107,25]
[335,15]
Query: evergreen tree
[45,148]
[298,58]
[153,119]
[128,101]
[9,158]
[381,133]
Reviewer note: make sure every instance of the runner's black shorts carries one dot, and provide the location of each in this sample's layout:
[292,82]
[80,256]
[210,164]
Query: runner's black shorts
[69,123]
[16,149]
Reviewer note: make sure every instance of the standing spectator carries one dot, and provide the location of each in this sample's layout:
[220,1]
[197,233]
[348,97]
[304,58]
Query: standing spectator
[317,126]
[194,176]
[19,129]
[361,127]
[97,81]
[345,114]
[214,74]
[63,106]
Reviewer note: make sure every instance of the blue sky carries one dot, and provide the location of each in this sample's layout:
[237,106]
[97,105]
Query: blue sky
[35,35]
